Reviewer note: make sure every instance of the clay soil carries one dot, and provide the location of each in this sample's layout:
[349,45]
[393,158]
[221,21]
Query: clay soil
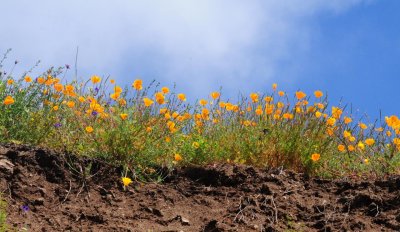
[62,197]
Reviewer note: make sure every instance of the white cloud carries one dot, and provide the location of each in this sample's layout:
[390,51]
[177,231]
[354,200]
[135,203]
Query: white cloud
[198,44]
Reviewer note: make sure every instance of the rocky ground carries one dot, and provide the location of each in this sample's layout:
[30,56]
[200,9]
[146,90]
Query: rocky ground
[47,191]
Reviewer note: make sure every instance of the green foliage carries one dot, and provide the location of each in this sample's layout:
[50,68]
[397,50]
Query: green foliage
[141,128]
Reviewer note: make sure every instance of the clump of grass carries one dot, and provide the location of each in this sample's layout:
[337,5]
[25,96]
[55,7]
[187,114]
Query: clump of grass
[142,127]
[3,215]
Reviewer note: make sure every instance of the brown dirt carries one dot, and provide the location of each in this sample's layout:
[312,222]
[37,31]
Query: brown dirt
[212,198]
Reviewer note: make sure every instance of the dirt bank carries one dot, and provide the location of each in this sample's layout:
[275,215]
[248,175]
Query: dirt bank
[212,198]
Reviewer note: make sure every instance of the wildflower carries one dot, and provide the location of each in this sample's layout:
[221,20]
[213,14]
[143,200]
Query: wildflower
[205,114]
[350,148]
[268,99]
[28,79]
[165,90]
[41,80]
[254,97]
[269,109]
[215,95]
[117,89]
[259,111]
[300,95]
[181,97]
[57,125]
[347,120]
[163,110]
[8,100]
[315,157]
[352,139]
[195,145]
[115,96]
[89,129]
[126,181]
[177,157]
[122,102]
[388,133]
[370,141]
[160,99]
[331,121]
[222,104]
[175,114]
[94,113]
[112,81]
[168,139]
[280,105]
[95,79]
[318,94]
[346,134]
[123,116]
[281,93]
[25,208]
[167,116]
[366,161]
[70,104]
[149,129]
[147,102]
[341,148]
[55,108]
[58,87]
[288,116]
[362,126]
[203,102]
[336,112]
[10,81]
[137,84]
[81,99]
[274,86]
[318,114]
[361,145]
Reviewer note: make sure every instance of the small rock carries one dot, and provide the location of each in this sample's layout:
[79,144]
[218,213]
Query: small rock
[185,221]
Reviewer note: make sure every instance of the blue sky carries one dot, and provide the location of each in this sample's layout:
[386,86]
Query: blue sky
[349,48]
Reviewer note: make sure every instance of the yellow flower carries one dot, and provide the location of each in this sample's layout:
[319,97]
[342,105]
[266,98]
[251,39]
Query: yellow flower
[370,141]
[259,111]
[331,121]
[341,148]
[350,148]
[205,114]
[123,116]
[175,114]
[160,98]
[222,104]
[318,94]
[195,145]
[81,99]
[274,86]
[288,116]
[41,80]
[95,79]
[165,90]
[8,100]
[163,110]
[55,108]
[149,129]
[269,109]
[300,95]
[181,97]
[361,145]
[117,89]
[126,181]
[10,81]
[388,133]
[177,157]
[28,79]
[366,161]
[115,96]
[168,139]
[70,104]
[281,93]
[147,102]
[315,157]
[254,97]
[137,84]
[215,95]
[268,99]
[336,112]
[112,81]
[203,102]
[363,126]
[58,87]
[318,114]
[89,129]
[347,120]
[122,102]
[346,134]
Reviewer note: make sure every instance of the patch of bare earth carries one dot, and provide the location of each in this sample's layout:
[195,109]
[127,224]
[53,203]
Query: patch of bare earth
[211,198]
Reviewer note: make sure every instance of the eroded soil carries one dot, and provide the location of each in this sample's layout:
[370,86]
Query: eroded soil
[211,198]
